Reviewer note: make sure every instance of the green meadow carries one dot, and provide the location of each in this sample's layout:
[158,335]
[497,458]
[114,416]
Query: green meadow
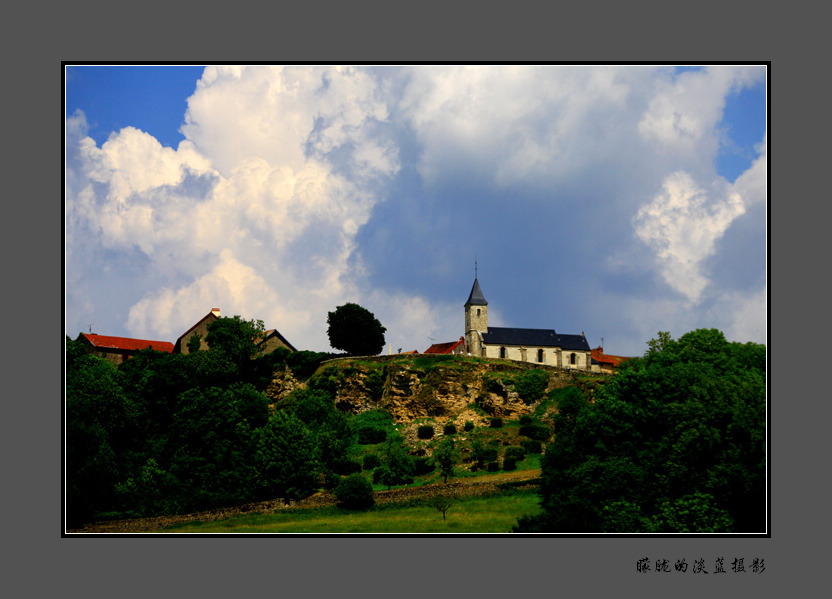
[490,514]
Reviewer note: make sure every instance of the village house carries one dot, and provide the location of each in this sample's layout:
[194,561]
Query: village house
[272,339]
[119,349]
[542,346]
[605,362]
[200,329]
[456,348]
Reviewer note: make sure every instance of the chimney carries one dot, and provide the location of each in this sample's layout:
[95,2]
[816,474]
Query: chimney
[215,311]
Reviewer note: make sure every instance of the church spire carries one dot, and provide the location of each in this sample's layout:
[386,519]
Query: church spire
[476,298]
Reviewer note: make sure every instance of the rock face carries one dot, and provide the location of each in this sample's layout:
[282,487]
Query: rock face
[442,389]
[282,384]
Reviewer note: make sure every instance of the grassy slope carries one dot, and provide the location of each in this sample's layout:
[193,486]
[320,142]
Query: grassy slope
[483,515]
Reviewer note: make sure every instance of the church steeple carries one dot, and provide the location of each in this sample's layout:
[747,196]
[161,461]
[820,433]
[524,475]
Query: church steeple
[476,298]
[476,319]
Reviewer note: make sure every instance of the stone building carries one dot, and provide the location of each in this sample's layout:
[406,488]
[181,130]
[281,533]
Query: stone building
[201,329]
[119,349]
[272,339]
[542,346]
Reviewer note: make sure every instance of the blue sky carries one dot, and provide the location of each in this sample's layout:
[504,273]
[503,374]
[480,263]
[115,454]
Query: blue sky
[617,201]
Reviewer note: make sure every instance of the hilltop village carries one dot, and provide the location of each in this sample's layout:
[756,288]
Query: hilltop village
[541,346]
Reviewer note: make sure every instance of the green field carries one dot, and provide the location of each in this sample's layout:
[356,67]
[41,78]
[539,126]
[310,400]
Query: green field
[484,515]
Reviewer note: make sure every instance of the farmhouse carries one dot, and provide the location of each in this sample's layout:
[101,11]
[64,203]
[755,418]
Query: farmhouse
[119,349]
[272,339]
[542,346]
[200,329]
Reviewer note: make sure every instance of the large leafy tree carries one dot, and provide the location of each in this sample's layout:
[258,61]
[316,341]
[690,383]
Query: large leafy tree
[235,337]
[355,330]
[101,426]
[674,443]
[287,458]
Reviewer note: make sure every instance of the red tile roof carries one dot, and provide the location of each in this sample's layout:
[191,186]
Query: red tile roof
[444,348]
[105,342]
[599,356]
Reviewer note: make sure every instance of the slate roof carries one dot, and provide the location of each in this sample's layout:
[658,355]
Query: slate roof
[476,298]
[534,337]
[106,342]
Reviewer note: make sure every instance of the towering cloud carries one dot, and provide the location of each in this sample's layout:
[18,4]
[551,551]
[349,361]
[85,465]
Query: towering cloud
[299,188]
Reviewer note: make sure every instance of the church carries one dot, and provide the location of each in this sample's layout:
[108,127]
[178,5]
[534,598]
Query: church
[542,346]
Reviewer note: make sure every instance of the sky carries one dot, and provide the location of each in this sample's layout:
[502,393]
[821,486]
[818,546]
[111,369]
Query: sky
[611,200]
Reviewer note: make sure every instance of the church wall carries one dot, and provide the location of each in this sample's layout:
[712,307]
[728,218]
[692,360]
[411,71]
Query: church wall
[550,356]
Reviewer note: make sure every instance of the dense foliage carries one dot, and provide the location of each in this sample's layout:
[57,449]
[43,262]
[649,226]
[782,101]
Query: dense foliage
[355,493]
[675,442]
[355,330]
[170,433]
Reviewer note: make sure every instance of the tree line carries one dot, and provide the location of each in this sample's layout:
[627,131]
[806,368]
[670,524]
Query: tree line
[171,433]
[675,442]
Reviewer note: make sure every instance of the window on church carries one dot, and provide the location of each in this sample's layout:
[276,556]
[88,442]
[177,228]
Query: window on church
[540,356]
[571,358]
[478,312]
[502,352]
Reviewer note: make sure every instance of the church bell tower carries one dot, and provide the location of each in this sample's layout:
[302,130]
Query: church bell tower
[476,320]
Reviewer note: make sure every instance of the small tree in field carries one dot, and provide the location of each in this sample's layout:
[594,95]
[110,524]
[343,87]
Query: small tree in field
[441,503]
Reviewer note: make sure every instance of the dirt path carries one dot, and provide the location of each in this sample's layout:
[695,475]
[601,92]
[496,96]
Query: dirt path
[481,485]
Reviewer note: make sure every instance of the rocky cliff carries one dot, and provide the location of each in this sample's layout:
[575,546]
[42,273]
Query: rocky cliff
[438,388]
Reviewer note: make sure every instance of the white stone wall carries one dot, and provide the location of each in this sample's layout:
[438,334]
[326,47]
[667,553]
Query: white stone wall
[550,356]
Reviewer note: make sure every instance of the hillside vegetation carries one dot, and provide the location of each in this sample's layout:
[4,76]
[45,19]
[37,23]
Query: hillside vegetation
[674,442]
[170,434]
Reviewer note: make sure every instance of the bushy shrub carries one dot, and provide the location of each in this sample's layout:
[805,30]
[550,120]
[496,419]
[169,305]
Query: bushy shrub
[422,465]
[532,446]
[346,466]
[515,453]
[370,461]
[370,435]
[468,426]
[425,431]
[530,385]
[525,420]
[375,384]
[538,432]
[483,455]
[355,493]
[449,429]
[493,467]
[509,464]
[383,475]
[496,422]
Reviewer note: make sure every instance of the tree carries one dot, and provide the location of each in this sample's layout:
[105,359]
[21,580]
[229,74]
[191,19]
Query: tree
[355,492]
[235,337]
[100,428]
[441,503]
[446,456]
[675,442]
[396,465]
[286,458]
[355,330]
